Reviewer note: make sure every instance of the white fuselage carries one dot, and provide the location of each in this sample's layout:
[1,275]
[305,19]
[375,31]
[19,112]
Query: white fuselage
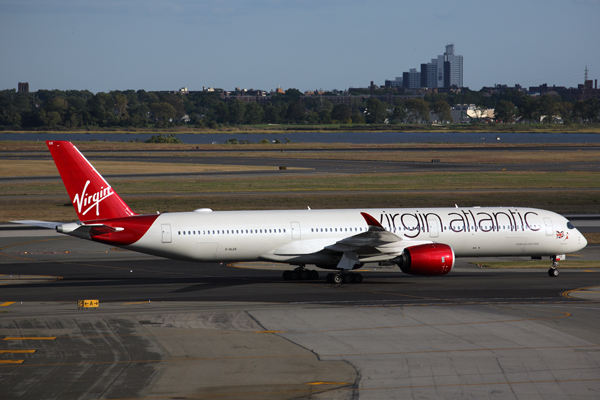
[295,236]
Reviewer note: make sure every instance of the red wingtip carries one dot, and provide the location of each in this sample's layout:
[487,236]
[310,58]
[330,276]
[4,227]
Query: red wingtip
[370,220]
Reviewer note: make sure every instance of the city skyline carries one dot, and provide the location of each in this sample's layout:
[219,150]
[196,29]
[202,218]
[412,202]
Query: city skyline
[303,44]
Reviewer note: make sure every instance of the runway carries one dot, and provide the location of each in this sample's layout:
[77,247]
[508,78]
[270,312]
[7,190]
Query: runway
[170,329]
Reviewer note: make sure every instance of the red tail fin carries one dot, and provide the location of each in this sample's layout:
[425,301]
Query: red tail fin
[92,197]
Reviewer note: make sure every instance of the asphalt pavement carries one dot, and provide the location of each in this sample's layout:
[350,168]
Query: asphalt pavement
[173,329]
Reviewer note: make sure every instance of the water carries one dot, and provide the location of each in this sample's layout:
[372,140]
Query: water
[328,137]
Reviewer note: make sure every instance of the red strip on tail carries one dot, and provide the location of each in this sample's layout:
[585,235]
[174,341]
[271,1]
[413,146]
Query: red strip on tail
[92,197]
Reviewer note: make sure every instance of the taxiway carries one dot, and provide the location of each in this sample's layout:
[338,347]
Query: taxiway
[170,329]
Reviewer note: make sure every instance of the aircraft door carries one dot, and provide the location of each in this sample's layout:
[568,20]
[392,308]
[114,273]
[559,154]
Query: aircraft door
[165,233]
[434,230]
[549,229]
[296,234]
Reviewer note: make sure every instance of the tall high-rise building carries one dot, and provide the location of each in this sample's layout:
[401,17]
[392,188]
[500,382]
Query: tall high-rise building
[411,79]
[444,71]
[453,68]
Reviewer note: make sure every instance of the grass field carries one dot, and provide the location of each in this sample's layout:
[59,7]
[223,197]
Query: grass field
[529,181]
[27,167]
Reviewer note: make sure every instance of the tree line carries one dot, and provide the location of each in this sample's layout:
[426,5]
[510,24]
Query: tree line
[73,109]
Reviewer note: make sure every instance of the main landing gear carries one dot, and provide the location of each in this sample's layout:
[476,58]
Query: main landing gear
[304,274]
[300,273]
[553,271]
[344,277]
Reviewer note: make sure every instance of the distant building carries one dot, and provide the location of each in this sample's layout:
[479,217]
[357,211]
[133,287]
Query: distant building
[453,68]
[23,87]
[466,113]
[310,93]
[444,71]
[545,89]
[589,90]
[411,79]
[395,83]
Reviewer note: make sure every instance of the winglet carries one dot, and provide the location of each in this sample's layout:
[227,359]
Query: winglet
[372,222]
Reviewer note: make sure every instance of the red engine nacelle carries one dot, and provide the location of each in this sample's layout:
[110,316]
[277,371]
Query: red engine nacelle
[427,259]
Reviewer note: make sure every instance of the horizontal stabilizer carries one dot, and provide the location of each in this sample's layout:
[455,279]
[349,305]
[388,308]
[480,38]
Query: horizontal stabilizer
[41,224]
[86,231]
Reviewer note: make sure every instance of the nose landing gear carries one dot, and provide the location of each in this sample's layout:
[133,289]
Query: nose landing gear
[553,271]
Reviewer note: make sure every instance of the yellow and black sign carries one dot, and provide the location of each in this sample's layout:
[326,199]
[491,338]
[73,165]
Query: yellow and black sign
[88,303]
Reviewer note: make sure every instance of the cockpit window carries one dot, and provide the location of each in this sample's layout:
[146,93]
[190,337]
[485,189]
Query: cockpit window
[570,225]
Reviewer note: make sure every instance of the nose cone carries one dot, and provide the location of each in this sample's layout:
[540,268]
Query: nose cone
[582,240]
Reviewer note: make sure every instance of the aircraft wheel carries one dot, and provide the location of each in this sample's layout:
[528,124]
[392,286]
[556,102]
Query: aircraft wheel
[358,278]
[294,275]
[329,277]
[347,278]
[304,275]
[553,272]
[314,275]
[337,278]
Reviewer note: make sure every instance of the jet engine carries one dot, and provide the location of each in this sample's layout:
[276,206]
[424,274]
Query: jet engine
[426,259]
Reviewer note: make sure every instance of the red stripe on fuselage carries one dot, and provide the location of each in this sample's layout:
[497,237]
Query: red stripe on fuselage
[133,229]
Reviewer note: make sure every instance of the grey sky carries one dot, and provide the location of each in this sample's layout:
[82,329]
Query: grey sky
[104,45]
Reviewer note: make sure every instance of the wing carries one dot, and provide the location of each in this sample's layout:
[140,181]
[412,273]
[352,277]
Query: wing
[376,244]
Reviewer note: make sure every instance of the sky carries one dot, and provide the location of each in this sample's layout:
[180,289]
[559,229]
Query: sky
[104,45]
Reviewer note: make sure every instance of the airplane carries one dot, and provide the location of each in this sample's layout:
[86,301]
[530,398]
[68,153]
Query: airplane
[420,241]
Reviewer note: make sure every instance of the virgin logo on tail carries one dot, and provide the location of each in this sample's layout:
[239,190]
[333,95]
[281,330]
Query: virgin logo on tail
[92,200]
